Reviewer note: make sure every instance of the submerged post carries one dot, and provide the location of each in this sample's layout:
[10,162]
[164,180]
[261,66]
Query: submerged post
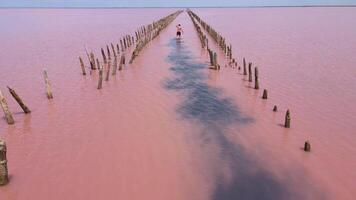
[100,82]
[5,108]
[19,100]
[48,85]
[287,119]
[257,85]
[307,146]
[265,95]
[275,109]
[4,178]
[108,70]
[82,66]
[250,72]
[215,61]
[115,66]
[244,65]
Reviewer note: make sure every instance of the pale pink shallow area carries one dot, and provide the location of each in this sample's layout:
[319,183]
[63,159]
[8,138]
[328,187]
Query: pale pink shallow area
[129,140]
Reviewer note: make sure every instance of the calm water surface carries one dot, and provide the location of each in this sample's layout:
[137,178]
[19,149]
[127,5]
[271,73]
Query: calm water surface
[166,127]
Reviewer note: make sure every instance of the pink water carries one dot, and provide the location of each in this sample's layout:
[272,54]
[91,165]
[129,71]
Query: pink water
[163,130]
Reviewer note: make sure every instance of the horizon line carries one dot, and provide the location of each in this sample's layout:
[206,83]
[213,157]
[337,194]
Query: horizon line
[133,7]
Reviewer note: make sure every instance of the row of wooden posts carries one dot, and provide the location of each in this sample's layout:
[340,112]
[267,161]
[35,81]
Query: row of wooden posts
[227,49]
[143,35]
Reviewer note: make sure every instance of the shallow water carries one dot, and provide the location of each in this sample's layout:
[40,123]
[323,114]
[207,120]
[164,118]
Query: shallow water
[169,128]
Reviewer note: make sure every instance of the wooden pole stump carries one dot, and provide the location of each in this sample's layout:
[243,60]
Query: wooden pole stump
[307,146]
[275,109]
[3,150]
[103,54]
[115,66]
[5,108]
[287,120]
[48,85]
[82,66]
[257,84]
[92,61]
[215,60]
[19,100]
[4,178]
[244,65]
[108,70]
[265,94]
[250,72]
[100,82]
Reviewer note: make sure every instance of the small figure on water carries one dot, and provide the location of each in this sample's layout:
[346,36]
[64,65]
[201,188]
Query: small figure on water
[179,30]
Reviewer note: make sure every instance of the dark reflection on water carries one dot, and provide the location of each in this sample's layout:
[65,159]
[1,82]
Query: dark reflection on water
[206,105]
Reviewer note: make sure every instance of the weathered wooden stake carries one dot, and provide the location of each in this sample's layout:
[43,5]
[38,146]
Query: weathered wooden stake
[115,66]
[108,71]
[307,146]
[92,61]
[122,60]
[100,82]
[4,178]
[48,85]
[3,150]
[244,65]
[275,109]
[257,85]
[113,49]
[287,119]
[215,60]
[82,66]
[19,100]
[250,72]
[108,52]
[5,108]
[103,54]
[264,96]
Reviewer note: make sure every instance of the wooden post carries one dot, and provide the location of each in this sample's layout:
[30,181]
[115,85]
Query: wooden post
[307,146]
[113,50]
[257,85]
[103,54]
[108,71]
[100,82]
[97,63]
[19,100]
[275,109]
[287,119]
[244,65]
[108,52]
[92,61]
[48,85]
[215,60]
[118,49]
[250,72]
[264,96]
[3,150]
[122,60]
[5,108]
[115,66]
[4,178]
[82,65]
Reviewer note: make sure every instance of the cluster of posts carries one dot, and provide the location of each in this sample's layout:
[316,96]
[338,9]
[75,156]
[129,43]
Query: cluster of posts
[143,35]
[227,50]
[117,52]
[147,33]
